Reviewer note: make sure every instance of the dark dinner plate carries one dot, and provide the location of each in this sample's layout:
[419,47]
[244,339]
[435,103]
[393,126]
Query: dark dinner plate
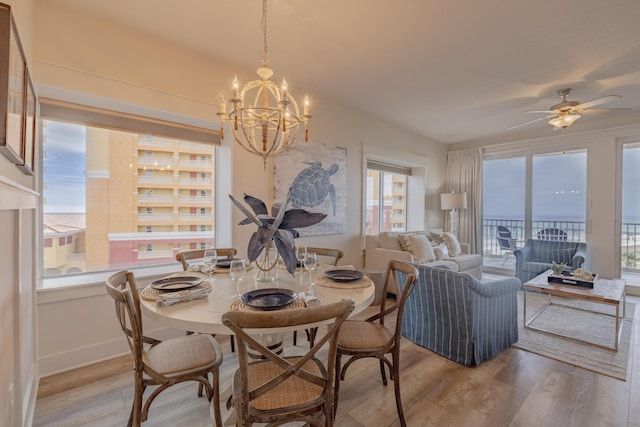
[176,283]
[225,263]
[269,299]
[343,275]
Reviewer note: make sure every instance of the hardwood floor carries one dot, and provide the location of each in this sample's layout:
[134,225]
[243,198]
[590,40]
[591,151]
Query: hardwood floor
[515,388]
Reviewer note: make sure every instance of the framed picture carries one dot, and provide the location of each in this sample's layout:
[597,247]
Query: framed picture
[315,177]
[12,87]
[27,149]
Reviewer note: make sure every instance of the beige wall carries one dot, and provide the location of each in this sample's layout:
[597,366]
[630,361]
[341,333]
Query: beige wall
[80,58]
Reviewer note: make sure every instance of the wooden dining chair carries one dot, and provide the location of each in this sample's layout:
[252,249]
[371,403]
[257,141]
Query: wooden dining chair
[371,338]
[268,388]
[332,257]
[162,363]
[184,258]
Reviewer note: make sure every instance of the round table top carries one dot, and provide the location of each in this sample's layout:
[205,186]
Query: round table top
[205,315]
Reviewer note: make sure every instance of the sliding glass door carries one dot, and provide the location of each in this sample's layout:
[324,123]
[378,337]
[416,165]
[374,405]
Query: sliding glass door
[630,233]
[504,191]
[539,195]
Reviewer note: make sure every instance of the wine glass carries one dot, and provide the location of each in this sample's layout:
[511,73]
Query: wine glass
[301,254]
[311,263]
[237,271]
[210,258]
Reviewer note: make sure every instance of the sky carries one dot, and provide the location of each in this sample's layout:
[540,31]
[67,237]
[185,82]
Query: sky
[64,166]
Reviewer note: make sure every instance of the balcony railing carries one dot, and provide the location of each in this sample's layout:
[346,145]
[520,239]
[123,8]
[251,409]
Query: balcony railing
[576,232]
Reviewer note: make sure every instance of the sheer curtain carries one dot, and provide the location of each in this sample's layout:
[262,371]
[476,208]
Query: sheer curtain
[464,174]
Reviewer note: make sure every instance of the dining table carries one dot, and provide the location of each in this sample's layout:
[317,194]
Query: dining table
[204,315]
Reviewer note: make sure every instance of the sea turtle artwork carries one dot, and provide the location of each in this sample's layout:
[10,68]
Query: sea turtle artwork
[311,186]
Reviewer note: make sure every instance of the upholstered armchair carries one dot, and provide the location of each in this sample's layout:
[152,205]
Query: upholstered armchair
[457,316]
[537,256]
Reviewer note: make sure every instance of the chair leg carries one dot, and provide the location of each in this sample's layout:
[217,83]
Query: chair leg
[383,373]
[396,387]
[136,410]
[337,385]
[295,338]
[233,344]
[215,400]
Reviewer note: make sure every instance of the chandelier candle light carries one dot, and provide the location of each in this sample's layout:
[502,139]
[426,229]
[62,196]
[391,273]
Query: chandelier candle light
[263,117]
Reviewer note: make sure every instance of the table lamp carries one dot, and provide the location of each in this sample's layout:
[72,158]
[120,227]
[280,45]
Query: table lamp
[452,202]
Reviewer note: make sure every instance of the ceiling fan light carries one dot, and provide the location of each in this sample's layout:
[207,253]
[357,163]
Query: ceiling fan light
[564,121]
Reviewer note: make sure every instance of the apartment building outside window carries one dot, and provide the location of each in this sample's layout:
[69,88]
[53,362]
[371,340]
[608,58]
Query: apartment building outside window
[386,201]
[114,192]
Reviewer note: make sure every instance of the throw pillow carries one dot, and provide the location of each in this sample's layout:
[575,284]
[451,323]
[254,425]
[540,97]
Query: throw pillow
[441,252]
[452,243]
[404,244]
[420,248]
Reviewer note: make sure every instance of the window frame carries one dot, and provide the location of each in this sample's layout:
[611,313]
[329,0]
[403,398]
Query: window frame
[170,125]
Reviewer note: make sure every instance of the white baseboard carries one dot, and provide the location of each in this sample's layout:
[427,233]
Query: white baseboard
[79,357]
[30,396]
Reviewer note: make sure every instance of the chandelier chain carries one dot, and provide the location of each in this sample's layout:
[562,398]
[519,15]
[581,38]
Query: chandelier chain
[263,25]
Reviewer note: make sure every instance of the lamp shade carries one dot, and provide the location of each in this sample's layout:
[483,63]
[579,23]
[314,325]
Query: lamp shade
[453,201]
[564,121]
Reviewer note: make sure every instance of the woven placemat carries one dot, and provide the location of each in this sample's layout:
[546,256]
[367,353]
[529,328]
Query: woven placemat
[328,283]
[151,294]
[239,305]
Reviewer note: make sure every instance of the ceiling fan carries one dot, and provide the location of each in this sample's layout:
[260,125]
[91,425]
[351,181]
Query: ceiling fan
[565,113]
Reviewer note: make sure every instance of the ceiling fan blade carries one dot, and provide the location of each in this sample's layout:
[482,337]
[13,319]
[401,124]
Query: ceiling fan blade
[598,101]
[605,110]
[532,121]
[539,111]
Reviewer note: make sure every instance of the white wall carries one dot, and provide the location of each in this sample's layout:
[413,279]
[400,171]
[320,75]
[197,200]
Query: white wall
[76,55]
[18,200]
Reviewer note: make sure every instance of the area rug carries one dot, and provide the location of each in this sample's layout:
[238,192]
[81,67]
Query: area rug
[594,327]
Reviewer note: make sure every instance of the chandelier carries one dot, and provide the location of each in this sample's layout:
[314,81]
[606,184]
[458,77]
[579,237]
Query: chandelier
[263,117]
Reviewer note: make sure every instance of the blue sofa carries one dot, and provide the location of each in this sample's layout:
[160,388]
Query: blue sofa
[455,315]
[536,256]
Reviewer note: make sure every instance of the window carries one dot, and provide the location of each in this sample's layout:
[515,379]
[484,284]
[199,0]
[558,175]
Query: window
[203,211]
[630,233]
[90,151]
[386,197]
[530,192]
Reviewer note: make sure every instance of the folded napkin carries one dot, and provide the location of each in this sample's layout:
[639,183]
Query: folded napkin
[309,299]
[170,298]
[202,268]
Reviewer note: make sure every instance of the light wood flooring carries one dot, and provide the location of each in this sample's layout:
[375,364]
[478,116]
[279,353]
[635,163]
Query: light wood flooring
[515,388]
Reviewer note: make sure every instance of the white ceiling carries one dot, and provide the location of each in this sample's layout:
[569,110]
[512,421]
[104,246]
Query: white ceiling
[451,70]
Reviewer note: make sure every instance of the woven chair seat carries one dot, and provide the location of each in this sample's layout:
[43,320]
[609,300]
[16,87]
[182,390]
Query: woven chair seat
[183,354]
[293,391]
[361,335]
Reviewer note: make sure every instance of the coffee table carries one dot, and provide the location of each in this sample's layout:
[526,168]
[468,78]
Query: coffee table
[605,291]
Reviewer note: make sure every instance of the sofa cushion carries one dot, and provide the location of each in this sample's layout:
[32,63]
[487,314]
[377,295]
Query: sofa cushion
[441,251]
[420,248]
[467,261]
[389,240]
[535,267]
[547,251]
[452,243]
